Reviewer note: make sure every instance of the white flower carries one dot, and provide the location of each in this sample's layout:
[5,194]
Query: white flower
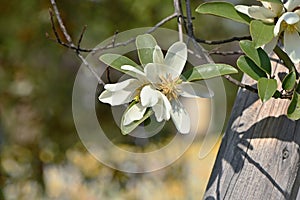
[289,24]
[157,86]
[287,18]
[267,13]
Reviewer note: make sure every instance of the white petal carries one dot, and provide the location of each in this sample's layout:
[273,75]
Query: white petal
[158,56]
[261,13]
[134,72]
[242,9]
[290,18]
[129,84]
[116,98]
[162,109]
[176,56]
[154,72]
[180,117]
[292,45]
[270,46]
[136,112]
[149,96]
[188,89]
[277,29]
[291,4]
[277,8]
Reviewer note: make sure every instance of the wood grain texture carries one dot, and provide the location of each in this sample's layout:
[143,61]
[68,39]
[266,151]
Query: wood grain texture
[259,157]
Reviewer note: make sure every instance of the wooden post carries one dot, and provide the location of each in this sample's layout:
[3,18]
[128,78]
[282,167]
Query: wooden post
[259,157]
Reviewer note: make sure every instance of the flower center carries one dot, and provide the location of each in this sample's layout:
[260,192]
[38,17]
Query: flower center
[168,86]
[291,28]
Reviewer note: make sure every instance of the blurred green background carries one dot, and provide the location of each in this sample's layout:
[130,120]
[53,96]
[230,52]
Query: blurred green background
[41,154]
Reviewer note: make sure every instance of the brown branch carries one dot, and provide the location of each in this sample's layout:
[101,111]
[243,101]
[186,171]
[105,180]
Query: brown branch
[151,30]
[68,38]
[222,41]
[239,84]
[282,95]
[225,53]
[178,11]
[80,37]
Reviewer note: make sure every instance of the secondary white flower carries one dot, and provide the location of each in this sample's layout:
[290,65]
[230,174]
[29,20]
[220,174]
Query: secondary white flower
[157,86]
[287,21]
[267,13]
[289,24]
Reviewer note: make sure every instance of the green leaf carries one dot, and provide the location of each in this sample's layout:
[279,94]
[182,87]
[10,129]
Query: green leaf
[293,111]
[289,81]
[249,49]
[223,9]
[250,68]
[116,61]
[285,58]
[272,1]
[266,88]
[258,56]
[265,63]
[130,127]
[145,45]
[207,71]
[261,33]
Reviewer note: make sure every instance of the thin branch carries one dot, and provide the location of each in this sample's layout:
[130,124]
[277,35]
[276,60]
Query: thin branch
[178,11]
[162,22]
[68,38]
[151,30]
[189,25]
[254,90]
[80,37]
[222,41]
[241,85]
[60,22]
[225,53]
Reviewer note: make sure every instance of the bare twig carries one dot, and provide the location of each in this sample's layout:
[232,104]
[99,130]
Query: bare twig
[178,11]
[225,53]
[189,25]
[60,22]
[80,37]
[282,95]
[223,41]
[151,30]
[241,85]
[70,42]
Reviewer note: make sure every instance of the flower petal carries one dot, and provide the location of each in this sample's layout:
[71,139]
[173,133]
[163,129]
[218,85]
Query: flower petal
[176,56]
[277,29]
[119,93]
[139,74]
[129,84]
[116,98]
[149,96]
[242,9]
[292,45]
[291,4]
[261,13]
[188,89]
[135,112]
[155,71]
[290,18]
[162,109]
[277,8]
[158,56]
[180,117]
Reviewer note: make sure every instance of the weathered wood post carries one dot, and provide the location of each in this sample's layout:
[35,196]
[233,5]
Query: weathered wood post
[259,157]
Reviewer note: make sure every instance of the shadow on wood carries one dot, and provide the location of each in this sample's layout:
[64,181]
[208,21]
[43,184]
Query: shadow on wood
[259,157]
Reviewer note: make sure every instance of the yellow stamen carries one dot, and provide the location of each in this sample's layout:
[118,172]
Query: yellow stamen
[168,86]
